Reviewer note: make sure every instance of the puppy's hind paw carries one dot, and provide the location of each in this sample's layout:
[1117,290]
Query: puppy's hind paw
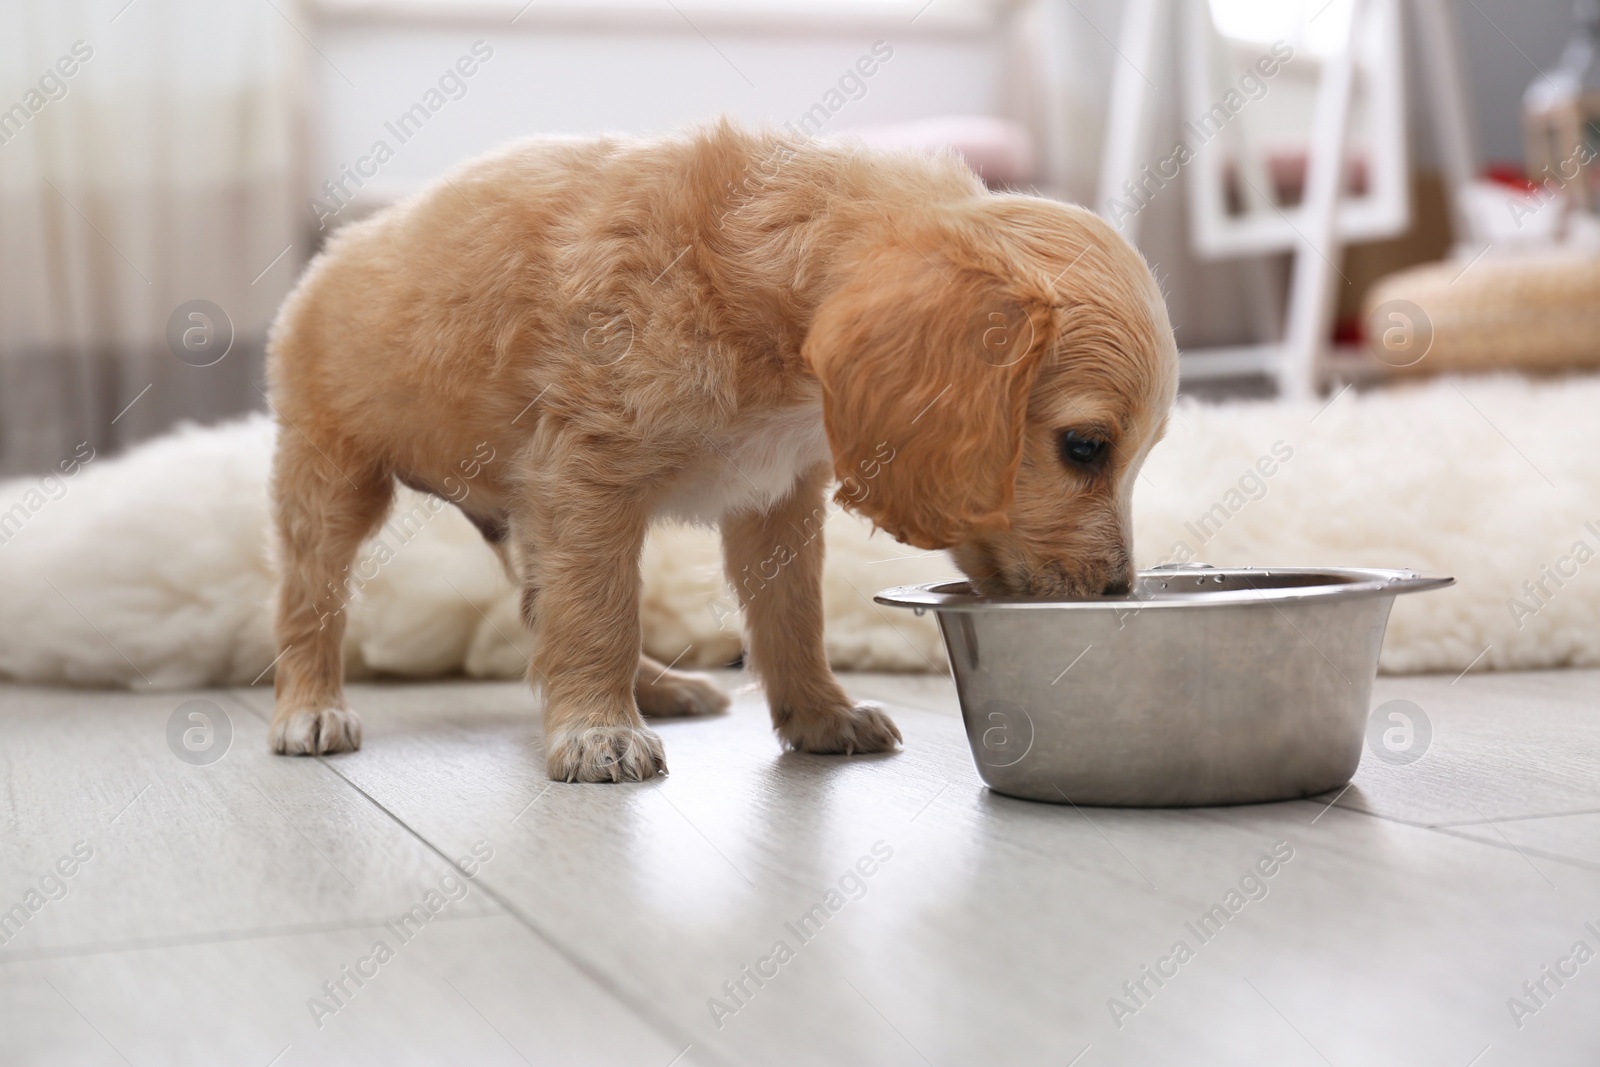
[604,754]
[310,732]
[677,693]
[848,730]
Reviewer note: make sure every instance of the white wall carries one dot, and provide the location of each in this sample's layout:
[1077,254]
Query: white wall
[573,79]
[579,76]
[1506,43]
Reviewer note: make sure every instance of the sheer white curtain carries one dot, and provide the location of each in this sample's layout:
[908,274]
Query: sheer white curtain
[148,158]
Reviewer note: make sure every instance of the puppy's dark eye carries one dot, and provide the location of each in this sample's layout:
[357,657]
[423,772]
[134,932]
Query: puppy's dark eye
[1080,451]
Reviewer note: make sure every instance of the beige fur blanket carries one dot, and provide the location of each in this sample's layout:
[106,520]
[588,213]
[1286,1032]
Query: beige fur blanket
[154,567]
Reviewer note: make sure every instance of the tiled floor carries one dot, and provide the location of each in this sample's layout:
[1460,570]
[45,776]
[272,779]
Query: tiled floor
[611,924]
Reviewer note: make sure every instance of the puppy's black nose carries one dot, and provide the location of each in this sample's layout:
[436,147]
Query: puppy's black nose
[1118,587]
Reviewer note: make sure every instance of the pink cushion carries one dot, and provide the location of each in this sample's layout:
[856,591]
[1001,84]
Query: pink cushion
[999,150]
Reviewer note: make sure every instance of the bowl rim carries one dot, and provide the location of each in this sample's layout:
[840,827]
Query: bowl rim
[1352,582]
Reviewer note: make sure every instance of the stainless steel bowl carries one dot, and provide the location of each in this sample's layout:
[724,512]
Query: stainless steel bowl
[1202,686]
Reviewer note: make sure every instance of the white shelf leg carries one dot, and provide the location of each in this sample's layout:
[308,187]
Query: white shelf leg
[1132,119]
[1313,292]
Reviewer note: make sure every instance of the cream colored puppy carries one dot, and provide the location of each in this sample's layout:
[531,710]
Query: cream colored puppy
[570,339]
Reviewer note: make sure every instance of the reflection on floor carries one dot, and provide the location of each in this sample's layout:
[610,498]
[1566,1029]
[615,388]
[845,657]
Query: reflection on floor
[162,906]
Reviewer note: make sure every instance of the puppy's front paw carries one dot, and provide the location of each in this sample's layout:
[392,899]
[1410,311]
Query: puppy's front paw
[604,754]
[862,728]
[680,693]
[310,732]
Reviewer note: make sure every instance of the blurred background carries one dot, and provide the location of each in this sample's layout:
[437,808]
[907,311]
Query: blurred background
[168,167]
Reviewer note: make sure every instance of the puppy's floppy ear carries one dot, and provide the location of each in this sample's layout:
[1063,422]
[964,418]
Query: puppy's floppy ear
[925,369]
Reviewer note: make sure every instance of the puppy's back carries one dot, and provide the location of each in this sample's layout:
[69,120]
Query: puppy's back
[454,307]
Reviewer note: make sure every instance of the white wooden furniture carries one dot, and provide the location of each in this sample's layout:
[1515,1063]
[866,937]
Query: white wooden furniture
[1366,64]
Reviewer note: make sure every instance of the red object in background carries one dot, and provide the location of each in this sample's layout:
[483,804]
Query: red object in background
[1511,175]
[1352,331]
[1288,170]
[1349,331]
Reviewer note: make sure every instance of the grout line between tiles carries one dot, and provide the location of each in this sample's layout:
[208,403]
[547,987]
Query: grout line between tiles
[1513,818]
[663,1026]
[1421,825]
[1554,857]
[1450,831]
[233,694]
[217,937]
[1370,814]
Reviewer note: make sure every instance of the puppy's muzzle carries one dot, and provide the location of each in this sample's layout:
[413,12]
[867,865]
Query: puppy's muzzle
[1057,578]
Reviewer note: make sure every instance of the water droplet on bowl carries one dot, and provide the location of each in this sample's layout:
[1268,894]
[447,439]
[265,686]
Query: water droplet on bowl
[919,612]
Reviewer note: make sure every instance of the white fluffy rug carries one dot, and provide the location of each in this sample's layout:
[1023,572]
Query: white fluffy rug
[155,567]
